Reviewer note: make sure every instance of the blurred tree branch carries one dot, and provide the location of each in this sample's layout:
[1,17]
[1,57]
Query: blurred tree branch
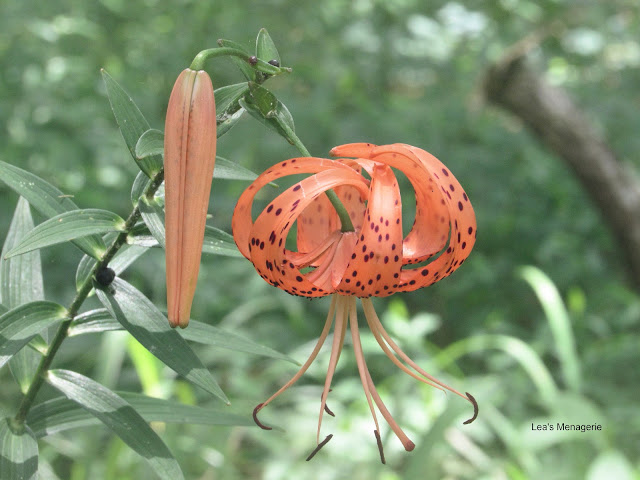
[560,125]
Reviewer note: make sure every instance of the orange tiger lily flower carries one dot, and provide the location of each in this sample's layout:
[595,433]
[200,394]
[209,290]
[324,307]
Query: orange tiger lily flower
[373,260]
[189,158]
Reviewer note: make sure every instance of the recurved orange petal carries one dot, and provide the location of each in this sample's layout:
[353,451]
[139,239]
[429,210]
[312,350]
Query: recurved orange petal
[319,220]
[242,221]
[377,260]
[264,241]
[443,212]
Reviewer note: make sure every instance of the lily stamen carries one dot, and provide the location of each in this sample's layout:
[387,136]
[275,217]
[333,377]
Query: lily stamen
[326,407]
[320,445]
[380,449]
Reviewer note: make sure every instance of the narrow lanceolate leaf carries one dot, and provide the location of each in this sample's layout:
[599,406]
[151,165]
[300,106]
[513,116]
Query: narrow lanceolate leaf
[47,200]
[227,98]
[21,324]
[84,270]
[100,320]
[209,335]
[228,122]
[228,170]
[93,321]
[60,414]
[68,226]
[265,48]
[132,124]
[20,283]
[263,99]
[219,242]
[267,109]
[150,327]
[150,143]
[153,217]
[120,417]
[137,189]
[20,278]
[18,452]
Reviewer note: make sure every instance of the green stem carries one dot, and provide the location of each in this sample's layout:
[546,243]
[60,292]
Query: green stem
[258,64]
[204,55]
[77,302]
[345,220]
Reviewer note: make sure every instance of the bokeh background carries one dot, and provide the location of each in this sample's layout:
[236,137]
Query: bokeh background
[381,71]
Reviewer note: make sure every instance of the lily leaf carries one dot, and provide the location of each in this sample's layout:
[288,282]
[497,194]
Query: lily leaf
[153,216]
[58,415]
[100,320]
[265,48]
[20,283]
[219,242]
[21,324]
[120,417]
[227,97]
[150,143]
[18,452]
[150,327]
[132,124]
[229,122]
[47,200]
[137,189]
[68,226]
[94,321]
[266,108]
[264,99]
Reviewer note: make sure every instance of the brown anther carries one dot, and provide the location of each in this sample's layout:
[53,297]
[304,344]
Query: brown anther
[379,441]
[320,445]
[255,417]
[326,407]
[475,408]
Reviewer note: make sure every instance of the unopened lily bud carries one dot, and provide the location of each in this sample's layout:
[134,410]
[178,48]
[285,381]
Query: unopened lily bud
[189,158]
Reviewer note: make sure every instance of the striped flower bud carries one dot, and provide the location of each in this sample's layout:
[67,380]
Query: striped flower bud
[189,158]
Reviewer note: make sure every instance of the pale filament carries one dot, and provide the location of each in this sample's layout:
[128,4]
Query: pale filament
[406,442]
[336,348]
[389,353]
[312,357]
[376,326]
[357,349]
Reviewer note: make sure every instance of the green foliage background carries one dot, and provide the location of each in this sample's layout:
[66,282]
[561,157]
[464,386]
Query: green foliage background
[383,72]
